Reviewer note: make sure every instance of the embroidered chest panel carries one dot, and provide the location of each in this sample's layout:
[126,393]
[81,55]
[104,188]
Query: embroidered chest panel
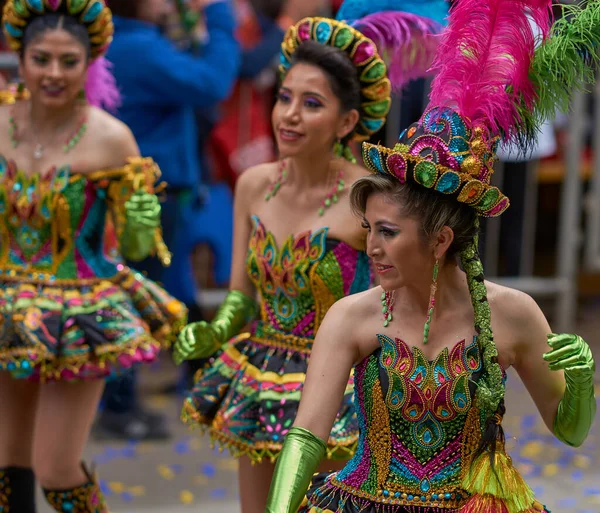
[300,280]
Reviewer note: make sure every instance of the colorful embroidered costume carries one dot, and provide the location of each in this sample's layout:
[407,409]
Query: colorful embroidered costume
[71,309]
[431,439]
[248,397]
[420,427]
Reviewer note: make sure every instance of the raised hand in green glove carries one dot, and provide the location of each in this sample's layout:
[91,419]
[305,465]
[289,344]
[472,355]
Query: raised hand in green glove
[202,339]
[577,408]
[299,458]
[142,218]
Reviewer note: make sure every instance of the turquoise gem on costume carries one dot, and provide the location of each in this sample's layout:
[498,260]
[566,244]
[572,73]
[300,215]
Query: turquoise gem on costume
[435,496]
[92,12]
[373,125]
[11,366]
[386,493]
[425,485]
[13,31]
[448,183]
[447,496]
[458,145]
[283,60]
[376,159]
[68,506]
[411,497]
[36,5]
[323,32]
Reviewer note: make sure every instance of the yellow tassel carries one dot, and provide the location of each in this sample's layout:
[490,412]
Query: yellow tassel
[503,482]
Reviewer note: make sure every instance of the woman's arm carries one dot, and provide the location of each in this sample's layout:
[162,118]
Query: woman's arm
[557,372]
[331,360]
[246,190]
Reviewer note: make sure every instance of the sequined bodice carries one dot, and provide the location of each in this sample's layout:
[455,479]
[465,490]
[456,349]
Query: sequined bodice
[415,417]
[300,280]
[53,226]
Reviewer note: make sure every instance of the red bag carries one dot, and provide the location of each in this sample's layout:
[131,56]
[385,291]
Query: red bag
[243,137]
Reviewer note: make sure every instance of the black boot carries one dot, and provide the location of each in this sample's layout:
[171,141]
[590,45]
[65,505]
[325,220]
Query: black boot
[17,490]
[86,498]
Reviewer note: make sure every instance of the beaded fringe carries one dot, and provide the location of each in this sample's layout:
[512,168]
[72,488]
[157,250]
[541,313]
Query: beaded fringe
[325,496]
[193,418]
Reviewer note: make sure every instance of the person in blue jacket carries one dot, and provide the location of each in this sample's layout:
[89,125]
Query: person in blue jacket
[163,87]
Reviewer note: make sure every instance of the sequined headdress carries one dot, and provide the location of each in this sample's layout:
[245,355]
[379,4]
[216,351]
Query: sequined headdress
[371,32]
[94,15]
[491,85]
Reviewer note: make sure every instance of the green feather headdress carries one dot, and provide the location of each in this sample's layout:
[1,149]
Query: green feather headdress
[564,63]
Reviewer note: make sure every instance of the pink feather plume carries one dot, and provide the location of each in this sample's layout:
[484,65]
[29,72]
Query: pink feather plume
[407,40]
[484,57]
[101,88]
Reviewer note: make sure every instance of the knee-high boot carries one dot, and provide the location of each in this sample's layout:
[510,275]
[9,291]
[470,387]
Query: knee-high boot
[17,490]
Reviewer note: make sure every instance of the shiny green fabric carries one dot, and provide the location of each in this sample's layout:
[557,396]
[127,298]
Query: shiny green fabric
[577,408]
[299,458]
[202,339]
[142,215]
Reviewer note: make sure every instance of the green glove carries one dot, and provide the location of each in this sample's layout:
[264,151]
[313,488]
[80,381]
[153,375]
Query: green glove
[577,408]
[201,339]
[142,215]
[299,458]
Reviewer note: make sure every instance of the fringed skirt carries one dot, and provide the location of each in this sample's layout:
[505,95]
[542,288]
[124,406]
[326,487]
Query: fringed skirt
[84,330]
[247,397]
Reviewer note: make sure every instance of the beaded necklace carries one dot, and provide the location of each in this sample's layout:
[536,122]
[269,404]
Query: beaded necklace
[330,199]
[38,151]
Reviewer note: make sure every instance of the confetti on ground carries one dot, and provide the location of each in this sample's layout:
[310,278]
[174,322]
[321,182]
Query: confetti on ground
[166,472]
[186,497]
[116,487]
[550,470]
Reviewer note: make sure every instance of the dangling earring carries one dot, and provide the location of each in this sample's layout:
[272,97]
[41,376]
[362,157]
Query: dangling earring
[343,151]
[338,149]
[21,92]
[432,292]
[387,306]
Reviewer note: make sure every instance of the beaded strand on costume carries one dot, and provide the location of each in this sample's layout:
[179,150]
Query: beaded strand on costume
[490,390]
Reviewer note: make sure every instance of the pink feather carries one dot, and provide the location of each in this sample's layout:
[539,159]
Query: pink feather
[408,40]
[483,60]
[101,88]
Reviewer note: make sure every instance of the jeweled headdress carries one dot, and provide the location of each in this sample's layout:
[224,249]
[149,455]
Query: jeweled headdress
[94,15]
[491,85]
[405,39]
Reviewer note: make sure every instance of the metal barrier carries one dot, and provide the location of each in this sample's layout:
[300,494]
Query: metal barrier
[563,285]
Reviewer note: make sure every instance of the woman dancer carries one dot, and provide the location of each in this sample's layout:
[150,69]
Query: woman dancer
[75,199]
[430,400]
[297,244]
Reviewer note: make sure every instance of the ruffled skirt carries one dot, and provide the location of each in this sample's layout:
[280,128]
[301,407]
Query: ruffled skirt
[84,330]
[247,397]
